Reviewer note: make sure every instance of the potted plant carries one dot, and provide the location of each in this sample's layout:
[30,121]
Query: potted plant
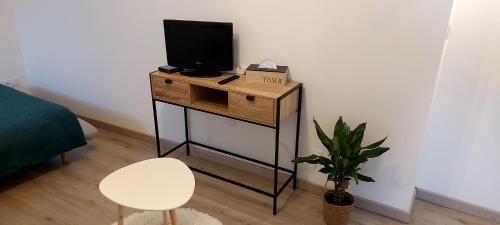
[345,156]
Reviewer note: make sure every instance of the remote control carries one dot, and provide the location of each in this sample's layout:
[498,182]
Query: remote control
[169,69]
[229,79]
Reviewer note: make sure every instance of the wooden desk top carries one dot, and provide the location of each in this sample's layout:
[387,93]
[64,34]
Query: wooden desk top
[239,85]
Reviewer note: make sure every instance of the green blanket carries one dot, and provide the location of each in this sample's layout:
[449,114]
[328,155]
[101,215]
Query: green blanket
[33,130]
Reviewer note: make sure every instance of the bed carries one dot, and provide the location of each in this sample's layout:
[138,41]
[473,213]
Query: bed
[33,130]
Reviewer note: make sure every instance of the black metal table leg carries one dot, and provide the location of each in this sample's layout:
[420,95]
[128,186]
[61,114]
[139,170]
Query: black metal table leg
[276,155]
[297,132]
[157,135]
[186,128]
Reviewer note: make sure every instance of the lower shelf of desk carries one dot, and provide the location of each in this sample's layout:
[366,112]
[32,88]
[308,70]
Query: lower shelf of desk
[248,175]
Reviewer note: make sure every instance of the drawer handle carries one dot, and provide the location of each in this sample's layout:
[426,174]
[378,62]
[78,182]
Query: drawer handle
[168,81]
[250,98]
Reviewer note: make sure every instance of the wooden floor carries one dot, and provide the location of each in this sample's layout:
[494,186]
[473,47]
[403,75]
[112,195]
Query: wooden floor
[51,193]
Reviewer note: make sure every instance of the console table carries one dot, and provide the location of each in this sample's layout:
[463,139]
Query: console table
[253,103]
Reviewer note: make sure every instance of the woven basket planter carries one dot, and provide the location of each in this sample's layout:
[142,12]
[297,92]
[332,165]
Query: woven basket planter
[337,215]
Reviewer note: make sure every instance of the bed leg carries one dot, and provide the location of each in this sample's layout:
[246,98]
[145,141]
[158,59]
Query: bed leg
[64,158]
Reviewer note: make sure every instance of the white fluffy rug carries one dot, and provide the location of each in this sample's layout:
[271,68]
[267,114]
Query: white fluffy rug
[185,216]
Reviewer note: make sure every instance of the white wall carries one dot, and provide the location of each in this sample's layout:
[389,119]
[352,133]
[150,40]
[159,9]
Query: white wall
[462,145]
[372,61]
[11,64]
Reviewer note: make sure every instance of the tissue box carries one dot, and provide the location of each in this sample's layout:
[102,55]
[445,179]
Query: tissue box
[256,75]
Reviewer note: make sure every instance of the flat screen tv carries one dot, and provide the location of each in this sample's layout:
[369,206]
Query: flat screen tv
[199,48]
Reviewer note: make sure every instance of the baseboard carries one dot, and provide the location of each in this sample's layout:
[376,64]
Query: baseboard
[383,210]
[362,203]
[118,129]
[458,205]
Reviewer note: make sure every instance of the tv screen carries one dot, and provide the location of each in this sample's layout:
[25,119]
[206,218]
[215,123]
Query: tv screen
[206,46]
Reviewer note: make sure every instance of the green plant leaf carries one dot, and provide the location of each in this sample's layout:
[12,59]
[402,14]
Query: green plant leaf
[339,165]
[358,159]
[345,149]
[324,161]
[376,144]
[339,128]
[347,165]
[364,178]
[335,148]
[326,170]
[312,159]
[355,176]
[357,135]
[325,140]
[342,132]
[347,129]
[376,152]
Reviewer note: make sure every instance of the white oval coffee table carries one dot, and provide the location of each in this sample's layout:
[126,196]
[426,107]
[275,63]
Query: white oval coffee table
[162,184]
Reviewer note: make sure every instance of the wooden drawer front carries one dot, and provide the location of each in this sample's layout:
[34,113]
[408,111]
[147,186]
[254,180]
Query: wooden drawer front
[252,108]
[170,90]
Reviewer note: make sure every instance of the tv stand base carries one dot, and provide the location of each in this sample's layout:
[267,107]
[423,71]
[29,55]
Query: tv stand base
[200,73]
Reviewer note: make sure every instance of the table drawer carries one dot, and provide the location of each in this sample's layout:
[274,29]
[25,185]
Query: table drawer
[170,90]
[252,108]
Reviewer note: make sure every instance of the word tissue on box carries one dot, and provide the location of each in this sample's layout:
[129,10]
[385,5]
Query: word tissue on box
[256,75]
